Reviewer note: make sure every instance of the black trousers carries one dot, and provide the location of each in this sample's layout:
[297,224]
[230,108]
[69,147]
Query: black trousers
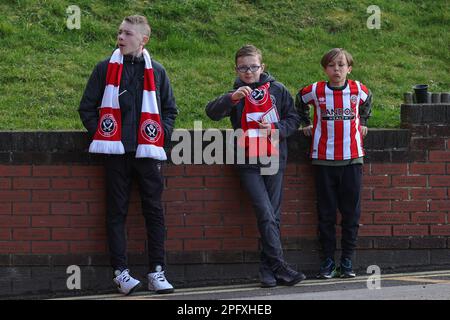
[265,192]
[338,188]
[119,173]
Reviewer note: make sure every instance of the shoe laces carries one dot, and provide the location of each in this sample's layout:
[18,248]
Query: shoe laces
[285,267]
[346,263]
[124,276]
[159,276]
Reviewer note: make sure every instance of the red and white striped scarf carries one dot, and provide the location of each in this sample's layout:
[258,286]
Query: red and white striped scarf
[258,108]
[107,138]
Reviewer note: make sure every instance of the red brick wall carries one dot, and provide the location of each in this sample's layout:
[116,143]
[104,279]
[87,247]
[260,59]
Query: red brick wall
[52,210]
[61,209]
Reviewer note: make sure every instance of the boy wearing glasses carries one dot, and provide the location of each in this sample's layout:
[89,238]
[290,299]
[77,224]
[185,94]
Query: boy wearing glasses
[341,110]
[260,106]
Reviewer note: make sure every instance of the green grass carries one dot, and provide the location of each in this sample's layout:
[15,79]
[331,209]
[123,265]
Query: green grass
[44,66]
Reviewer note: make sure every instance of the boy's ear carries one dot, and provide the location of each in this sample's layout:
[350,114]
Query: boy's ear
[145,40]
[263,66]
[349,69]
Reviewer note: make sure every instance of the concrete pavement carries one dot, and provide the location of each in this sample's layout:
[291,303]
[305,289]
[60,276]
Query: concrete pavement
[434,285]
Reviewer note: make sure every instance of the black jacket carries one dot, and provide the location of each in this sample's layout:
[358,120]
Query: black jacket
[130,100]
[222,107]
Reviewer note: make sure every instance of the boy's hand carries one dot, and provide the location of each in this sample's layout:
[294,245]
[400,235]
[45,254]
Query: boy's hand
[267,127]
[240,93]
[364,131]
[307,131]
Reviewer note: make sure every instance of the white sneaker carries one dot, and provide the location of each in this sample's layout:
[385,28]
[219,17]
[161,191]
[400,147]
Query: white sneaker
[157,282]
[126,284]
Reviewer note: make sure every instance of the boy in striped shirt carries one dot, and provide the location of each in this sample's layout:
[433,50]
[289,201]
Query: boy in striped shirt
[341,109]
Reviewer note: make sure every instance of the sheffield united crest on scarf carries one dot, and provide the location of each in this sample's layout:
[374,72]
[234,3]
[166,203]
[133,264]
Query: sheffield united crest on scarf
[258,108]
[108,125]
[107,138]
[151,130]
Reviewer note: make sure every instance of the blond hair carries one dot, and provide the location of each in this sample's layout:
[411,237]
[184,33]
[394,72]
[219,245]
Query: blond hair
[141,22]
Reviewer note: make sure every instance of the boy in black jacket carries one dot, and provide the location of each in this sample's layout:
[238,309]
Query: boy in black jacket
[129,110]
[260,106]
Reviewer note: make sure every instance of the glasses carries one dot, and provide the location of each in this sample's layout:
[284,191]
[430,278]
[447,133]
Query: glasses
[244,69]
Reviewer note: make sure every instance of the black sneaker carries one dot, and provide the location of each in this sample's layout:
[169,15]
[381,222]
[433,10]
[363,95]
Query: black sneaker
[266,277]
[346,268]
[328,269]
[286,276]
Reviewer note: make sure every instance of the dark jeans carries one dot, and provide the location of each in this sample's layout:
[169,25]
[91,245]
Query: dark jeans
[265,192]
[338,188]
[119,172]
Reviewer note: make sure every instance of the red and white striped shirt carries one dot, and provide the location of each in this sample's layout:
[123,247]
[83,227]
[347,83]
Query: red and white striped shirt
[336,125]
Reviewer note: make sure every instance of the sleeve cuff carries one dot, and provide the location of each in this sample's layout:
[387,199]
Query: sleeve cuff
[305,124]
[233,102]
